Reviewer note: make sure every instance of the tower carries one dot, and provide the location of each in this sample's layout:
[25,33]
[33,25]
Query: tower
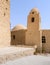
[5,23]
[33,32]
[33,20]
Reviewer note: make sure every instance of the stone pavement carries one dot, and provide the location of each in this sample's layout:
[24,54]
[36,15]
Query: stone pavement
[11,53]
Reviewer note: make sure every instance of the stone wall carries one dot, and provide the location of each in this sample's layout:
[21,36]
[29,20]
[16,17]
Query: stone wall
[18,37]
[46,45]
[5,36]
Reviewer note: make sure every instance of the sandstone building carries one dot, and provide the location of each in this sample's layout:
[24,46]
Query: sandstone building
[5,37]
[33,35]
[18,35]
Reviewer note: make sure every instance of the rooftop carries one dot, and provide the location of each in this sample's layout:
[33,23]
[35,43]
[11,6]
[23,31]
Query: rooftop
[19,27]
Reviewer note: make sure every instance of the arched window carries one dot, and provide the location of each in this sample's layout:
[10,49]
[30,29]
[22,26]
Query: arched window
[32,19]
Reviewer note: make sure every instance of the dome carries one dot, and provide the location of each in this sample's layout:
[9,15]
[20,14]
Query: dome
[19,27]
[35,10]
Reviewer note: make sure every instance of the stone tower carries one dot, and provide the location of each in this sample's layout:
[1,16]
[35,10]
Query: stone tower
[5,23]
[33,20]
[33,33]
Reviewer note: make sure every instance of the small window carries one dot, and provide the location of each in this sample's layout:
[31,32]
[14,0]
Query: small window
[13,36]
[43,39]
[4,14]
[32,19]
[6,8]
[32,12]
[6,0]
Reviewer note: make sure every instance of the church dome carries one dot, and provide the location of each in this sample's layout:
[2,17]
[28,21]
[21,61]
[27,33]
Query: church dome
[19,27]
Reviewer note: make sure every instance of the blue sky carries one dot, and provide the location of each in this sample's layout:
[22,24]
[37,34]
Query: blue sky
[19,10]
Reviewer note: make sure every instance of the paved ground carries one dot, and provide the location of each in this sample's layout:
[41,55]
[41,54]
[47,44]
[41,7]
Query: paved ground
[11,53]
[30,60]
[8,54]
